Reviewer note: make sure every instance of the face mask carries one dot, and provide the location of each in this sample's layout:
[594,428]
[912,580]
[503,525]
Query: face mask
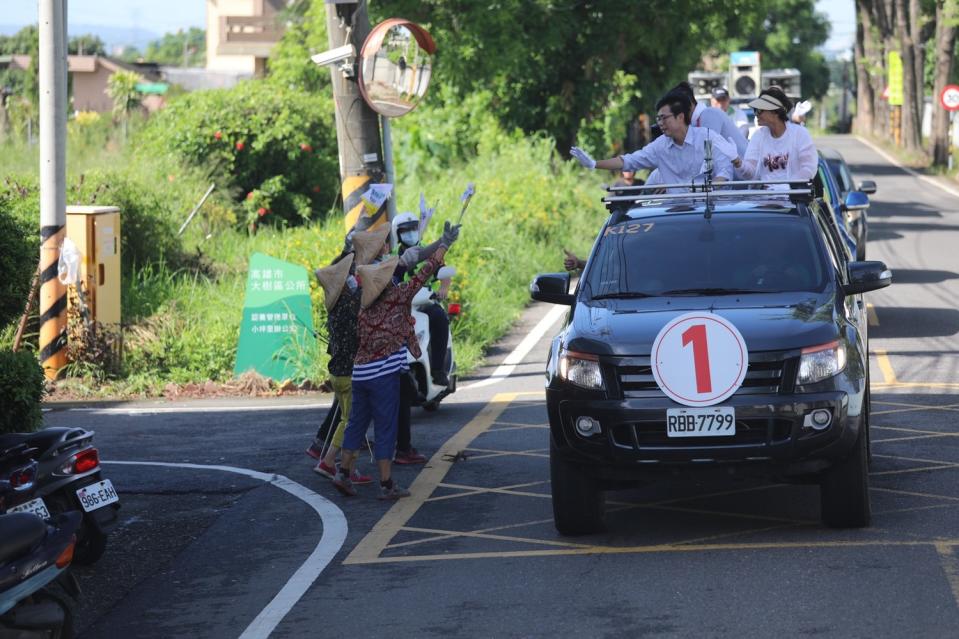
[410,238]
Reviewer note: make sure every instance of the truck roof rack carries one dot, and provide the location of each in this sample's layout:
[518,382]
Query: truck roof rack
[706,191]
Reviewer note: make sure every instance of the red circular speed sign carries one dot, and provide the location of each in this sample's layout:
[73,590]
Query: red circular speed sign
[699,359]
[949,98]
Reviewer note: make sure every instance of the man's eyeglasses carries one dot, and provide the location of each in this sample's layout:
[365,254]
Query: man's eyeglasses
[662,118]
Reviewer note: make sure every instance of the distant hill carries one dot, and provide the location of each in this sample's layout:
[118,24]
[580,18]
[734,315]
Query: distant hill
[113,37]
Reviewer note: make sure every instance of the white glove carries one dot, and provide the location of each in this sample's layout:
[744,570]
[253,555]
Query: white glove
[583,157]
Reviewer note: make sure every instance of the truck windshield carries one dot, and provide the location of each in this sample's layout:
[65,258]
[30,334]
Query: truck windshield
[690,255]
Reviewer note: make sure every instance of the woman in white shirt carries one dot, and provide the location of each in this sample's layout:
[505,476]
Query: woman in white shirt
[779,149]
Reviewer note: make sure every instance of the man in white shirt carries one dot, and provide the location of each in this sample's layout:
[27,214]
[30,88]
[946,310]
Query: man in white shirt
[779,149]
[678,154]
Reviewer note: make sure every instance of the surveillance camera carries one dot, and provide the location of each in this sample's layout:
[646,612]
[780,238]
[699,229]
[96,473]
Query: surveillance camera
[339,54]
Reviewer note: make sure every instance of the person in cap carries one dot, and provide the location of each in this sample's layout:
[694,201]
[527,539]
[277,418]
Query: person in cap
[678,154]
[342,298]
[384,332]
[779,149]
[720,100]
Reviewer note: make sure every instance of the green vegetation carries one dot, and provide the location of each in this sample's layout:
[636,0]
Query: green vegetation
[273,147]
[502,111]
[21,386]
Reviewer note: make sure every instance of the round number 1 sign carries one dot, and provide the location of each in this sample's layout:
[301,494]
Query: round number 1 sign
[699,359]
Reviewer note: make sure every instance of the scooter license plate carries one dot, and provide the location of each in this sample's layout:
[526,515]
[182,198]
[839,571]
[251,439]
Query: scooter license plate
[97,495]
[34,506]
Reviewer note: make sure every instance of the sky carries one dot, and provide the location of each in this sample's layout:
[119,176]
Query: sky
[159,16]
[166,16]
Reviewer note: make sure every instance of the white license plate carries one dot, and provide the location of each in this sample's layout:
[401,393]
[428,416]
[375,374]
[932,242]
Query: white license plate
[714,421]
[97,495]
[34,507]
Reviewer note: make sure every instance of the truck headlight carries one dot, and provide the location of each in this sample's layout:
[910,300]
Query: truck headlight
[821,362]
[581,369]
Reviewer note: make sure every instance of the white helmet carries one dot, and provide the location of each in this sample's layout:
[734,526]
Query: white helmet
[405,228]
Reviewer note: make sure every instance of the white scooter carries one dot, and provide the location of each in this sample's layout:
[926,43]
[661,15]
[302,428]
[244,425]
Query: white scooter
[428,394]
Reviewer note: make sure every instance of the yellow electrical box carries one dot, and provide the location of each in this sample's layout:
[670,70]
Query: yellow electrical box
[94,303]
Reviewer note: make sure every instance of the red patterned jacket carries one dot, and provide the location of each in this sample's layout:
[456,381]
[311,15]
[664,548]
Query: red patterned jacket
[387,324]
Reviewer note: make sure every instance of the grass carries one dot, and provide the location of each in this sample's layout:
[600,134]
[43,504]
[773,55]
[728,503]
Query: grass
[182,320]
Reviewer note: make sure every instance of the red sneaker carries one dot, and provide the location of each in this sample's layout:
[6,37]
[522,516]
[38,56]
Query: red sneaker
[316,450]
[411,456]
[322,469]
[360,479]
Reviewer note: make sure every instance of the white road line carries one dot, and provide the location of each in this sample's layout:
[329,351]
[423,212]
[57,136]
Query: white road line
[894,161]
[146,410]
[334,534]
[505,369]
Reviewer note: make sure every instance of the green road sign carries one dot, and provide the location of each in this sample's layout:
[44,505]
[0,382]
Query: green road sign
[894,78]
[276,332]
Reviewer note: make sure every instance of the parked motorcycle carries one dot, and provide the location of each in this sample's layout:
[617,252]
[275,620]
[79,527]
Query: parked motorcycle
[69,478]
[38,596]
[430,394]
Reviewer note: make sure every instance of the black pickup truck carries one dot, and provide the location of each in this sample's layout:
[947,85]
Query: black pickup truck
[789,401]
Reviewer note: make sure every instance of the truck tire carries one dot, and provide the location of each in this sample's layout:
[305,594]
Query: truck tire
[844,488]
[579,505]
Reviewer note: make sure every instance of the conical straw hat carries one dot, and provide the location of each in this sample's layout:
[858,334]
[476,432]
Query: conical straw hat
[332,278]
[367,244]
[374,278]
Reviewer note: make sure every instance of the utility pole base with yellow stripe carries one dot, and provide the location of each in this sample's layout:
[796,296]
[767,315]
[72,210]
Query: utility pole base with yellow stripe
[53,304]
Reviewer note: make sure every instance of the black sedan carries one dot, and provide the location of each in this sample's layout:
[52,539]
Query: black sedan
[852,200]
[772,273]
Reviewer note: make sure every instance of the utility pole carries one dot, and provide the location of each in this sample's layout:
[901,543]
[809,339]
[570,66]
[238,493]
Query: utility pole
[53,179]
[357,125]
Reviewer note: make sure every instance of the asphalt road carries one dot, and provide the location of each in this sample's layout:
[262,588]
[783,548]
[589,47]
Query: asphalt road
[202,550]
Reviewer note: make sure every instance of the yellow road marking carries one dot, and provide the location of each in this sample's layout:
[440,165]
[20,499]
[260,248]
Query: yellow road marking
[896,384]
[478,535]
[426,482]
[912,470]
[914,459]
[903,429]
[519,427]
[469,491]
[871,315]
[911,438]
[655,549]
[950,566]
[885,367]
[532,452]
[906,408]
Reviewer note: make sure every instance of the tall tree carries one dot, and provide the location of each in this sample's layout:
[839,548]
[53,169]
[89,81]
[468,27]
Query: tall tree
[552,64]
[910,101]
[865,57]
[122,89]
[787,33]
[947,18]
[180,49]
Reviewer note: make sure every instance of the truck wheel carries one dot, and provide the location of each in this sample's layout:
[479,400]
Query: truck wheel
[579,505]
[844,489]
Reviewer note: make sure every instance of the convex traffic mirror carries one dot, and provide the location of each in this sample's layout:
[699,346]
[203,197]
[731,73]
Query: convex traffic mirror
[396,66]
